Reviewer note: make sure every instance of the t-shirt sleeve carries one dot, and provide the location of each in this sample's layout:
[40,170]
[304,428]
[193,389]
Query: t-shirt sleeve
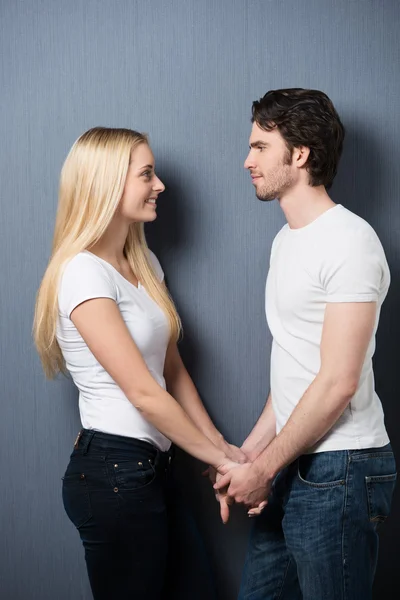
[83,279]
[156,265]
[354,270]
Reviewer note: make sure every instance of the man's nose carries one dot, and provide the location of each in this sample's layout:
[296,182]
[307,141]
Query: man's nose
[249,162]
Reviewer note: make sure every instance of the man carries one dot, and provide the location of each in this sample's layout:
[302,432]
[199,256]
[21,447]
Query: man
[322,465]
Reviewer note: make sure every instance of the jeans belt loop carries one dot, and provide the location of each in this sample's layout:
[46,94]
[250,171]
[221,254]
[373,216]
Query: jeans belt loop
[86,441]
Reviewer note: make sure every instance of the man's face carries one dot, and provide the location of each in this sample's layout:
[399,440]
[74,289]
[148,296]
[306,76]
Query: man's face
[270,163]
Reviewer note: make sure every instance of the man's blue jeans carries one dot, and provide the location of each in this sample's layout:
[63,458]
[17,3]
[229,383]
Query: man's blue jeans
[317,538]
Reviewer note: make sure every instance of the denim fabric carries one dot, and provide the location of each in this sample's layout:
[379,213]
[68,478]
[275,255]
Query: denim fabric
[317,538]
[119,494]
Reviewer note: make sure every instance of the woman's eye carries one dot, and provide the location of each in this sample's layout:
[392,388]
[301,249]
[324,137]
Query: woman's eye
[147,174]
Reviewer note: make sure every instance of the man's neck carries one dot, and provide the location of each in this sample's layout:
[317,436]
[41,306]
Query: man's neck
[302,205]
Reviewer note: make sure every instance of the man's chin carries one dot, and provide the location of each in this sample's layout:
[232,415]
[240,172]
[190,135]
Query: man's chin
[265,197]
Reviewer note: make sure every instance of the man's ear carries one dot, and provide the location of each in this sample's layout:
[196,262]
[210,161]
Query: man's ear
[300,156]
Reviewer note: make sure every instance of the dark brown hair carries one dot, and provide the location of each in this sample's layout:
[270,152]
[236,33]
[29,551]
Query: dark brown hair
[305,118]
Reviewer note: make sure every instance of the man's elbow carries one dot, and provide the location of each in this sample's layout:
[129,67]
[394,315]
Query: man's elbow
[343,386]
[348,388]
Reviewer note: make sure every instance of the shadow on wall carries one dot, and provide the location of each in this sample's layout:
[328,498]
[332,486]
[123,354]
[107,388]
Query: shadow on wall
[360,186]
[167,236]
[175,230]
[171,229]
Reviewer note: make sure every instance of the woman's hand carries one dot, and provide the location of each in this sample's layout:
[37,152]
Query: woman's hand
[214,475]
[224,500]
[234,453]
[236,457]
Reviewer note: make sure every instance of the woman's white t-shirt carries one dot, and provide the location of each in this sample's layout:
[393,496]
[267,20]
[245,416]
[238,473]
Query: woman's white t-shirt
[102,404]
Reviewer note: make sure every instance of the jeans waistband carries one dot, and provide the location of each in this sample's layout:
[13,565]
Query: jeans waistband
[90,441]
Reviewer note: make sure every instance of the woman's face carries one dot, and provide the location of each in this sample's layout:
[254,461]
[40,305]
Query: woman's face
[142,187]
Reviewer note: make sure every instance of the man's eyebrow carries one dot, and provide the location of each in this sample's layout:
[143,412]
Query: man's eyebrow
[258,144]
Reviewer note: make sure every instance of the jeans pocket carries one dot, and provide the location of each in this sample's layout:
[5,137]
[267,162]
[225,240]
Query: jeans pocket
[380,490]
[75,494]
[129,475]
[322,470]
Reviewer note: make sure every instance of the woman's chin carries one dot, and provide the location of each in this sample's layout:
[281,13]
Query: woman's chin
[152,217]
[147,218]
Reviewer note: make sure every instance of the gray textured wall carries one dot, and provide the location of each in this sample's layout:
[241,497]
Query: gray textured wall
[186,72]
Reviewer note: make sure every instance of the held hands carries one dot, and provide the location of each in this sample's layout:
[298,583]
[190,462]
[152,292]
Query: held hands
[221,496]
[236,456]
[238,480]
[245,484]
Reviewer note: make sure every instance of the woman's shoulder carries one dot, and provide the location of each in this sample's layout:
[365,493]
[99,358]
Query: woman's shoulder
[84,277]
[85,263]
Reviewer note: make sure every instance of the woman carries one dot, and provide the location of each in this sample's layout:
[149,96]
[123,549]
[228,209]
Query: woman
[104,315]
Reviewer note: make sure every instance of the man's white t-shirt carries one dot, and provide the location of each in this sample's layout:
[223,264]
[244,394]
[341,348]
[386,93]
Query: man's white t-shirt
[102,404]
[336,258]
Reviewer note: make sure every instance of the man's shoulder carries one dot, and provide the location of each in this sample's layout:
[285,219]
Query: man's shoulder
[281,233]
[278,238]
[346,221]
[346,230]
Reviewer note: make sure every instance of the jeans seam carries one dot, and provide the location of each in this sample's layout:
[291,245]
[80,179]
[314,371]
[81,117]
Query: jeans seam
[344,524]
[111,477]
[378,478]
[283,580]
[368,455]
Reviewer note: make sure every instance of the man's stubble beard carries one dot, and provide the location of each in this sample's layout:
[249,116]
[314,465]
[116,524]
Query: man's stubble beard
[281,182]
[275,190]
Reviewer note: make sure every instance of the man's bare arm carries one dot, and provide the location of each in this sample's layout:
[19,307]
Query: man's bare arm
[346,334]
[347,331]
[262,433]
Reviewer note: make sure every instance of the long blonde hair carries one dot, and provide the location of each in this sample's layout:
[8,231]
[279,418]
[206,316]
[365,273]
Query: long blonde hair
[91,187]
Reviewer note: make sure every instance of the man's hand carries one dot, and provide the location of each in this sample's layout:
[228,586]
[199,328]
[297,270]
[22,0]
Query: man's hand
[247,485]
